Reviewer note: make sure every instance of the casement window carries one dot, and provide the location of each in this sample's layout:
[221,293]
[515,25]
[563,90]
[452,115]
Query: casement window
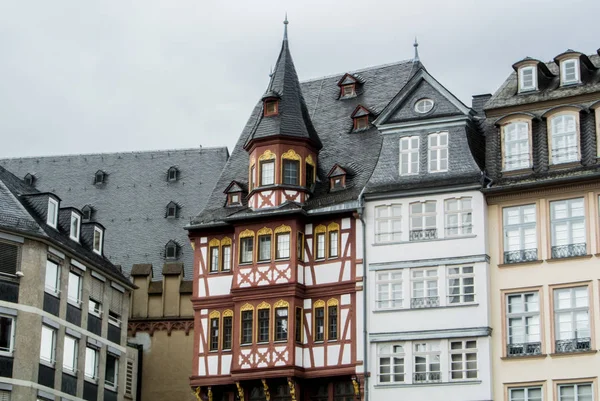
[214,334]
[52,284]
[461,285]
[517,151]
[264,248]
[426,362]
[527,79]
[263,325]
[9,258]
[391,363]
[424,106]
[298,328]
[348,90]
[214,259]
[227,332]
[291,172]
[226,257]
[98,240]
[523,324]
[388,221]
[320,245]
[74,289]
[281,324]
[75,226]
[96,297]
[564,144]
[52,216]
[575,392]
[458,217]
[247,320]
[389,290]
[520,234]
[48,345]
[463,360]
[409,155]
[246,249]
[334,244]
[310,175]
[282,250]
[91,363]
[70,351]
[300,246]
[572,320]
[332,322]
[525,394]
[319,313]
[7,335]
[423,221]
[424,288]
[115,308]
[111,376]
[569,72]
[361,122]
[567,218]
[267,173]
[438,152]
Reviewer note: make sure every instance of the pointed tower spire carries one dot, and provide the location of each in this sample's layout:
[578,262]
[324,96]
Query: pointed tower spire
[285,24]
[416,45]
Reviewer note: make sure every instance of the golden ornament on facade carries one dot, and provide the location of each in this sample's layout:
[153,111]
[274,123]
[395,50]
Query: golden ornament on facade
[265,231]
[240,391]
[291,155]
[228,313]
[247,233]
[266,389]
[267,155]
[281,304]
[283,229]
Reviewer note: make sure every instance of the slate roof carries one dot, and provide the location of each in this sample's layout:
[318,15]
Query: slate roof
[132,203]
[18,215]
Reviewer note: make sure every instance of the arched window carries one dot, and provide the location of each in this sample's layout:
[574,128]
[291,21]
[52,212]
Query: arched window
[172,211]
[29,179]
[99,177]
[172,250]
[517,147]
[564,142]
[173,174]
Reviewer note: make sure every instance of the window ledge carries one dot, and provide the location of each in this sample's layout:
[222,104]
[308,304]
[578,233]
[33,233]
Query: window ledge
[516,172]
[91,380]
[220,273]
[426,240]
[52,293]
[69,372]
[49,364]
[449,383]
[565,165]
[9,354]
[76,304]
[521,357]
[525,263]
[421,309]
[567,354]
[569,258]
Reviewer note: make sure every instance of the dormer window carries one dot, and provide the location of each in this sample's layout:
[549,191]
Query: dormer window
[337,183]
[360,117]
[52,216]
[424,106]
[172,174]
[75,226]
[29,179]
[349,85]
[527,79]
[171,250]
[99,177]
[271,107]
[569,72]
[361,122]
[172,210]
[235,199]
[98,240]
[87,212]
[348,90]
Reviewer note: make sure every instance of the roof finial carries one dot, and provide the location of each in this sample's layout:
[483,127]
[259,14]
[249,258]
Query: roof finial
[271,72]
[285,24]
[416,45]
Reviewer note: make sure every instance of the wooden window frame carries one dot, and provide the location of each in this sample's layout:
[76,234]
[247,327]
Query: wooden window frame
[247,308]
[438,150]
[281,305]
[268,102]
[310,175]
[225,244]
[261,320]
[410,153]
[521,71]
[226,343]
[392,356]
[299,325]
[556,383]
[525,385]
[577,80]
[348,90]
[361,122]
[214,332]
[286,162]
[333,228]
[246,235]
[319,306]
[300,246]
[333,331]
[591,313]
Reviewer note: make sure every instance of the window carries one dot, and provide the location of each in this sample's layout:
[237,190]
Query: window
[91,363]
[98,240]
[423,221]
[332,322]
[263,324]
[96,297]
[572,320]
[52,284]
[348,90]
[267,173]
[517,153]
[461,285]
[281,324]
[99,177]
[115,308]
[569,72]
[226,257]
[74,289]
[271,107]
[334,243]
[5,395]
[564,142]
[112,371]
[298,328]
[75,225]
[252,175]
[389,290]
[438,152]
[29,179]
[7,335]
[463,360]
[246,249]
[291,172]
[427,362]
[409,155]
[458,217]
[575,392]
[424,106]
[214,333]
[424,288]
[52,216]
[568,228]
[264,248]
[70,354]
[388,220]
[87,212]
[343,391]
[227,331]
[247,318]
[361,122]
[172,210]
[319,322]
[214,259]
[520,234]
[283,246]
[527,79]
[9,258]
[172,174]
[391,363]
[320,246]
[310,175]
[300,246]
[48,345]
[234,199]
[525,394]
[523,324]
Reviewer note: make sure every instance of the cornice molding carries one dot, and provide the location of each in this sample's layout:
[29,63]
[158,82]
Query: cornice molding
[540,192]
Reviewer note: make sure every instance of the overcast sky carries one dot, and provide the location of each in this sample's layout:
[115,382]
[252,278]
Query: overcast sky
[107,76]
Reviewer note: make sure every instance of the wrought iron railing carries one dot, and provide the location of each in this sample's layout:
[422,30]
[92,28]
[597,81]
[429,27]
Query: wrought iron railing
[573,345]
[425,302]
[567,251]
[423,235]
[523,349]
[522,255]
[427,377]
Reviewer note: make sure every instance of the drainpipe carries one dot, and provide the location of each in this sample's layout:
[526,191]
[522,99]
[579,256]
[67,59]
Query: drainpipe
[360,210]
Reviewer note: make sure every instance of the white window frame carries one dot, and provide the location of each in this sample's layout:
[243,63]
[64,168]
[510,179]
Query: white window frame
[226,255]
[389,291]
[576,394]
[52,288]
[430,350]
[424,106]
[388,223]
[521,230]
[533,86]
[563,71]
[573,312]
[570,151]
[422,216]
[77,279]
[270,171]
[115,316]
[320,245]
[283,245]
[435,153]
[463,279]
[411,154]
[459,358]
[52,218]
[523,326]
[48,331]
[521,158]
[396,356]
[11,337]
[526,395]
[112,385]
[95,305]
[568,222]
[75,218]
[463,211]
[427,277]
[71,344]
[91,353]
[100,233]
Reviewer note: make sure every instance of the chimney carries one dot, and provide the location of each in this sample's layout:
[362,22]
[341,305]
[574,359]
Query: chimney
[479,102]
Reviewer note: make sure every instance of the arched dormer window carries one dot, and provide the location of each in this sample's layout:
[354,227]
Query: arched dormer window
[172,250]
[172,174]
[563,135]
[88,212]
[172,211]
[29,179]
[527,78]
[516,139]
[271,106]
[100,177]
[569,71]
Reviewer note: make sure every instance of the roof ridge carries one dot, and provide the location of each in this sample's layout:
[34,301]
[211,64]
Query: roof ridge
[357,71]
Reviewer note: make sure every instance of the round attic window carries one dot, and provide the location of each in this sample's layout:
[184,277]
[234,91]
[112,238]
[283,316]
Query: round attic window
[424,106]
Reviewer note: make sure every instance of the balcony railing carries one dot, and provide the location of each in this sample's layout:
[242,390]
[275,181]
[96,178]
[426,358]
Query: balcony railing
[522,255]
[425,302]
[427,377]
[423,235]
[573,345]
[523,349]
[567,251]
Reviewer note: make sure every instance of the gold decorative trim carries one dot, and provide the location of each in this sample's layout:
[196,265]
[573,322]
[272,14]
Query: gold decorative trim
[320,229]
[333,302]
[264,231]
[246,307]
[210,393]
[319,304]
[197,393]
[226,241]
[309,160]
[333,227]
[240,391]
[193,245]
[283,229]
[281,304]
[214,314]
[252,161]
[214,242]
[292,386]
[267,155]
[266,389]
[263,305]
[228,313]
[291,155]
[246,234]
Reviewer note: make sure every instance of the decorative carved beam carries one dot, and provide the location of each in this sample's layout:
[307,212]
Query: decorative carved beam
[197,393]
[292,387]
[240,391]
[266,388]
